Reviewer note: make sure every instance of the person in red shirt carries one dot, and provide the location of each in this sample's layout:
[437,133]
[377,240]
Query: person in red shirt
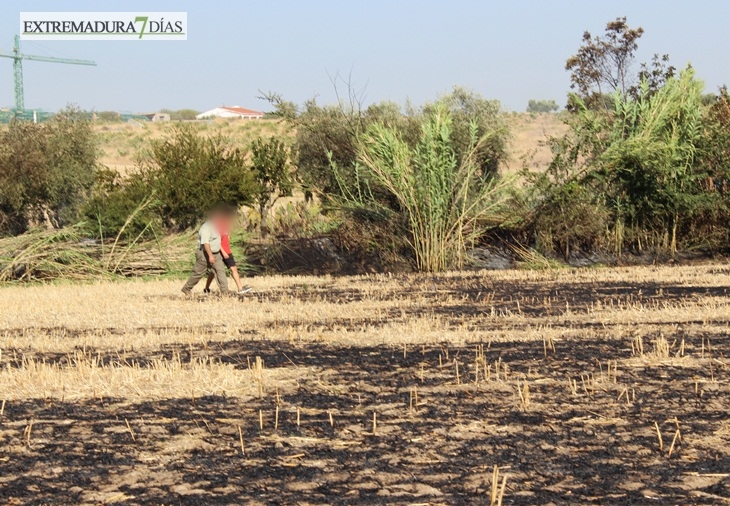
[223,225]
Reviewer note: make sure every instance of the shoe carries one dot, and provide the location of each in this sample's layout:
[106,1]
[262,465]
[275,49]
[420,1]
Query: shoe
[245,289]
[186,293]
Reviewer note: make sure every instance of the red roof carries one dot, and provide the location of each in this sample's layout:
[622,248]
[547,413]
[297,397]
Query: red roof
[241,110]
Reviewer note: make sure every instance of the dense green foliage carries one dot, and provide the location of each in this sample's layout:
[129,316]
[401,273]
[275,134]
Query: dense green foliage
[328,135]
[191,173]
[46,171]
[541,106]
[184,175]
[633,177]
[643,169]
[427,174]
[272,175]
[121,205]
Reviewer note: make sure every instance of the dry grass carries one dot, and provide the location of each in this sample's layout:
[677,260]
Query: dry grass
[528,133]
[133,319]
[121,143]
[541,373]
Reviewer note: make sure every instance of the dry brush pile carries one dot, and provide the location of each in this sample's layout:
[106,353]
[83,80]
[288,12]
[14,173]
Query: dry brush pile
[69,254]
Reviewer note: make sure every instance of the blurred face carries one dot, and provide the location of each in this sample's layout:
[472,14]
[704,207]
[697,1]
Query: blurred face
[217,218]
[223,220]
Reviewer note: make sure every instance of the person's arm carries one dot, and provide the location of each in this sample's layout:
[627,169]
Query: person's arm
[209,253]
[205,237]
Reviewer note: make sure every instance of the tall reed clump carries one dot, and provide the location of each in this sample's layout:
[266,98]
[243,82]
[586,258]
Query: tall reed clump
[447,201]
[647,166]
[631,178]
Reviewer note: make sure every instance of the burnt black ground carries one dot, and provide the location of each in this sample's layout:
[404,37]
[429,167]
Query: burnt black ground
[585,437]
[563,449]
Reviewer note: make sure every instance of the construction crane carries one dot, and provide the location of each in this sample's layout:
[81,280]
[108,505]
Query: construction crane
[18,58]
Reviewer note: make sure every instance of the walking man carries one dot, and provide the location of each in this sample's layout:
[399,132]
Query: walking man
[224,230]
[208,255]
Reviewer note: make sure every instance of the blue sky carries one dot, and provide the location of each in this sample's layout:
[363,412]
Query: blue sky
[511,50]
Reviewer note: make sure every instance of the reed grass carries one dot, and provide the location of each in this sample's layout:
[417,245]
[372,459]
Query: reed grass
[46,255]
[448,203]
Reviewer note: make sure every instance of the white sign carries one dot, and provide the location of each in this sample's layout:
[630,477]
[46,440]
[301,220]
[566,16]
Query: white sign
[104,25]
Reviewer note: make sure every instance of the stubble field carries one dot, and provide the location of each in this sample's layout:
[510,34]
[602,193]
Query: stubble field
[604,386]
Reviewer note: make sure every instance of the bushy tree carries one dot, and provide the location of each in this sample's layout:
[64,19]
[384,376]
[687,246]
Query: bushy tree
[637,165]
[542,106]
[46,171]
[190,173]
[118,204]
[472,114]
[628,173]
[326,133]
[602,65]
[72,152]
[646,164]
[272,175]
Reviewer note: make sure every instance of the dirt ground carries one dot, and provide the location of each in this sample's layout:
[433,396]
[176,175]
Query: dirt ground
[592,386]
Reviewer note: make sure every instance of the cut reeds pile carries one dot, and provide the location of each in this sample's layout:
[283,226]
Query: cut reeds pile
[44,255]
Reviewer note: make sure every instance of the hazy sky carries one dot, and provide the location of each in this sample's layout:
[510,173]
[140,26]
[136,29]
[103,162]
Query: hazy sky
[511,50]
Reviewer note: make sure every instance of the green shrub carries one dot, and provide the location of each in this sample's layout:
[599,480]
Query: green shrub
[46,171]
[471,115]
[626,178]
[272,174]
[119,204]
[190,173]
[328,135]
[542,106]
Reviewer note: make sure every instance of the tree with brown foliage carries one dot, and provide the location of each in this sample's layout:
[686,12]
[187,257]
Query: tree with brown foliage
[602,64]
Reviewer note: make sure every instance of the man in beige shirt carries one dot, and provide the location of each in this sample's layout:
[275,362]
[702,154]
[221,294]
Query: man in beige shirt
[208,255]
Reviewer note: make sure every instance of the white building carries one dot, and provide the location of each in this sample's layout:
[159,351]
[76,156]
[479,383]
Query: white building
[230,112]
[158,116]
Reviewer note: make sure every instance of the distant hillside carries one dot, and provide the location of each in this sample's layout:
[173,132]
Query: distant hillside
[528,133]
[121,142]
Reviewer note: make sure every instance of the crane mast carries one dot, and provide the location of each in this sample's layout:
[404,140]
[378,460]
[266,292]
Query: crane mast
[17,56]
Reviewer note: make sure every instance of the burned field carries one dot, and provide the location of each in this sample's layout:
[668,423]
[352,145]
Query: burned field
[581,387]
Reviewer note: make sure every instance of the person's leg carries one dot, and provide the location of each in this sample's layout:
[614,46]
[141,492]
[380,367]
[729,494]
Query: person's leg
[199,269]
[236,277]
[219,268]
[209,281]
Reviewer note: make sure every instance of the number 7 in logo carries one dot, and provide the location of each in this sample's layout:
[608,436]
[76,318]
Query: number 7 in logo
[144,24]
